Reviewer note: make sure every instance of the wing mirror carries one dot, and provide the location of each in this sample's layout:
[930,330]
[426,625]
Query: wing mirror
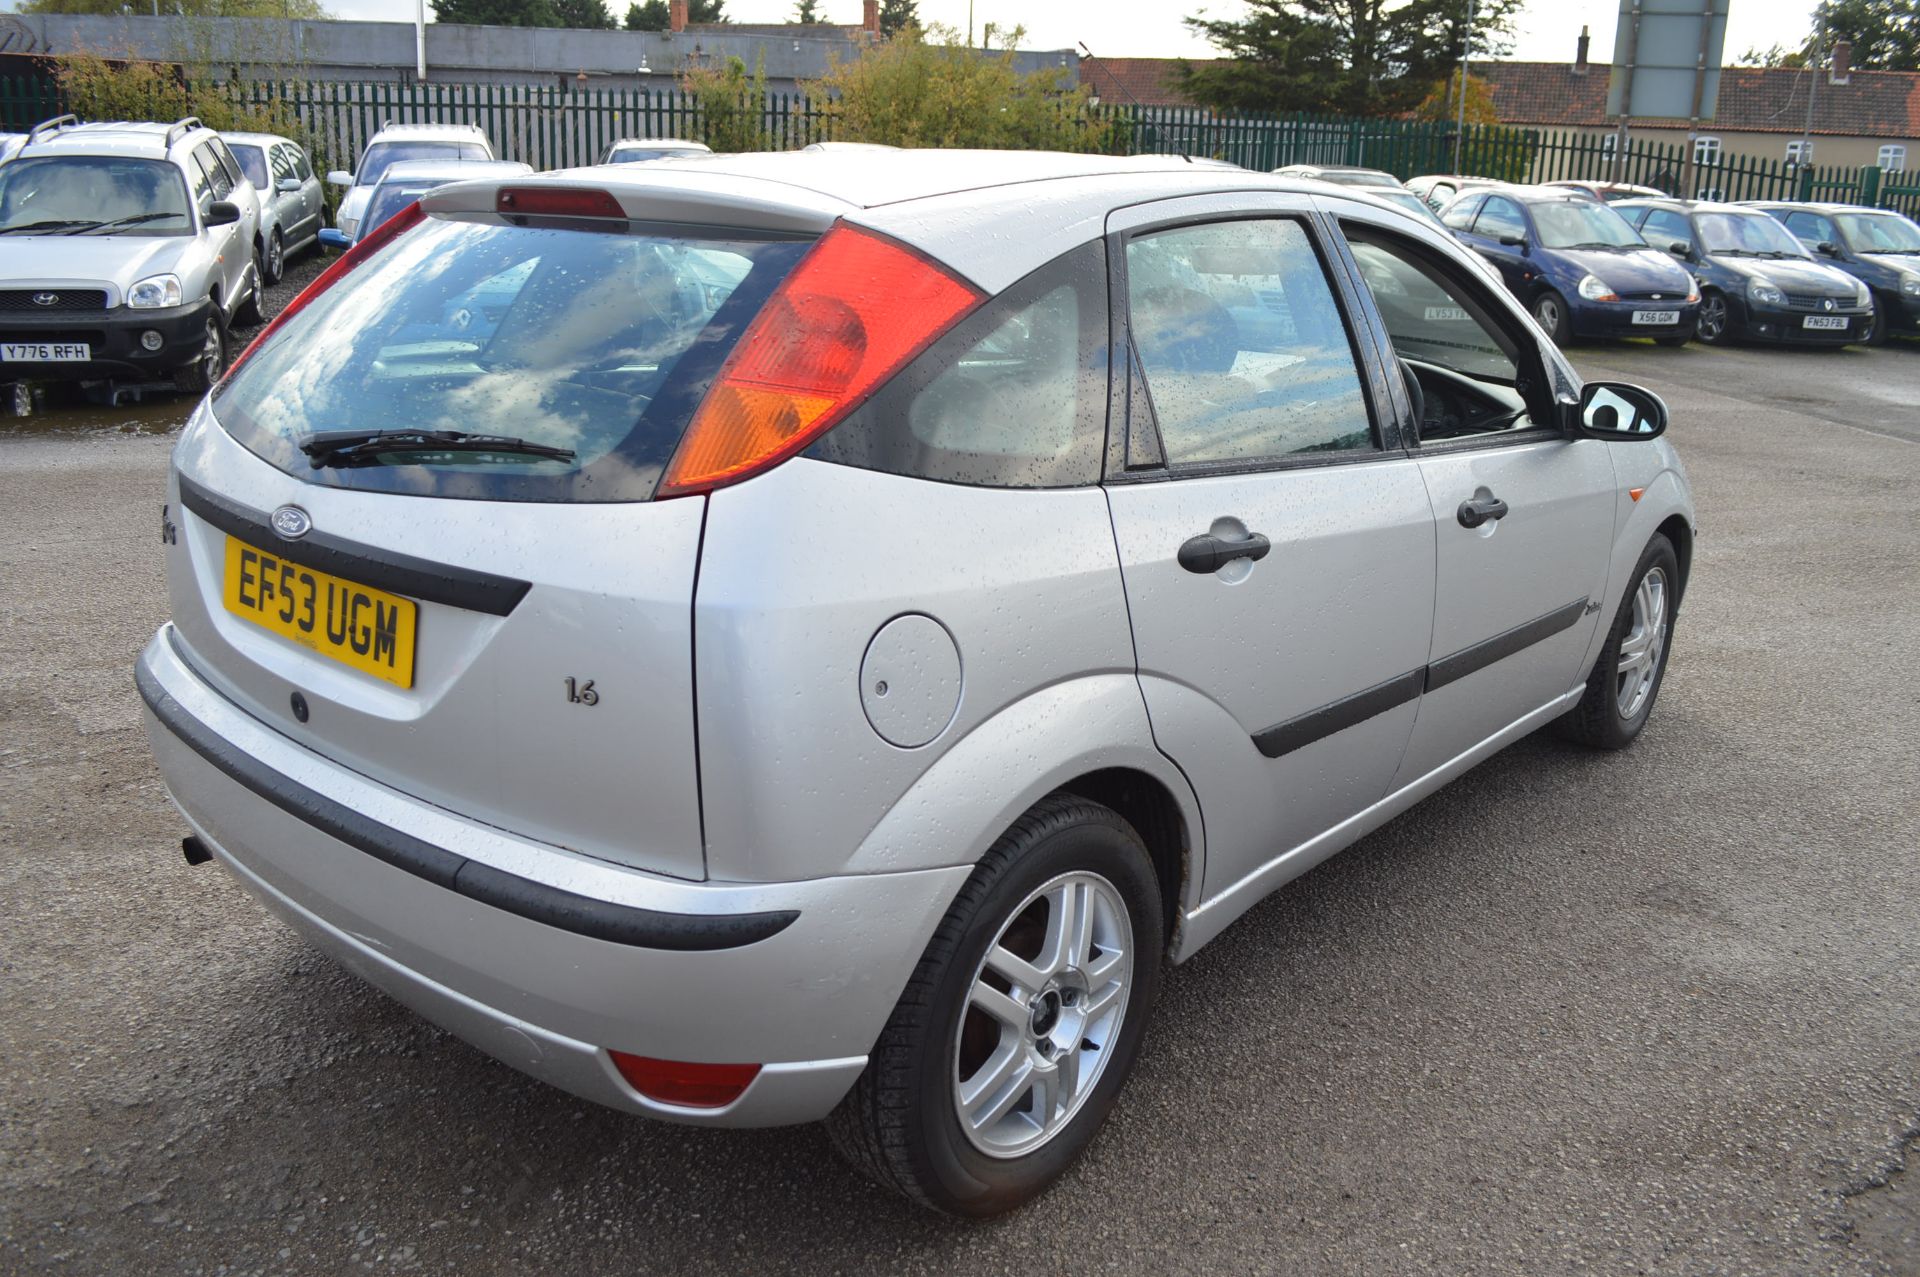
[1618,411]
[339,177]
[222,213]
[287,185]
[1681,249]
[1827,248]
[1514,241]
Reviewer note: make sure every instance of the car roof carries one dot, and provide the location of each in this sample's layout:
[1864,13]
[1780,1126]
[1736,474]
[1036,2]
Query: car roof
[258,139]
[392,132]
[856,175]
[451,170]
[141,138]
[1546,194]
[662,144]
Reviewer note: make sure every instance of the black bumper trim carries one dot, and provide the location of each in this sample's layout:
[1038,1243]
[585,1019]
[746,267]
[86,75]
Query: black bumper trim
[1471,660]
[459,587]
[536,901]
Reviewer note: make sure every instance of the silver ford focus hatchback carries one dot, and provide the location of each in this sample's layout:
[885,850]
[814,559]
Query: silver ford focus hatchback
[783,637]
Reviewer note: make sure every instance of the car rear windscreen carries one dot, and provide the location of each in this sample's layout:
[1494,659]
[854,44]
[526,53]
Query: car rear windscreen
[597,338]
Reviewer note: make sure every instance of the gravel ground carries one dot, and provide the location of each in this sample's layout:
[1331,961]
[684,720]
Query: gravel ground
[1656,1012]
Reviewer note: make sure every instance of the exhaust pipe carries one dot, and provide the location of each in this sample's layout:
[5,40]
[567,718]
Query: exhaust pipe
[194,850]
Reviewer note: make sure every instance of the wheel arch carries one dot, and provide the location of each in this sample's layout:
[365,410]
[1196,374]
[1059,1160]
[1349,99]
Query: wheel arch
[1148,804]
[1677,530]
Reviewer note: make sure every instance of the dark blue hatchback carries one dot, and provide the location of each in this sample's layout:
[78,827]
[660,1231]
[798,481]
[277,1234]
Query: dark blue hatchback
[1577,265]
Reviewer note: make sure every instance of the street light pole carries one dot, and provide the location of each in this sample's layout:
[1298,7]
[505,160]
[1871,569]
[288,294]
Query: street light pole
[1460,124]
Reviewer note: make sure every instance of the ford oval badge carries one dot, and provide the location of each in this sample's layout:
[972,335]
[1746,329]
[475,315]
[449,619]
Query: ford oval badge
[291,522]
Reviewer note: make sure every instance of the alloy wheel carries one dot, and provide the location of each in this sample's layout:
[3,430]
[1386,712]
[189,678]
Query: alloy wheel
[1711,325]
[1547,311]
[276,258]
[1043,1015]
[1643,646]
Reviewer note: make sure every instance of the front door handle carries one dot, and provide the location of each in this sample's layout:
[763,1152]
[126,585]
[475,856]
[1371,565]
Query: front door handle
[1208,553]
[1481,507]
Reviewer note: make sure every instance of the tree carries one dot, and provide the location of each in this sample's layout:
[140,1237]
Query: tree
[653,14]
[1442,103]
[897,15]
[930,89]
[497,13]
[1885,33]
[1355,57]
[185,8]
[1777,55]
[587,15]
[731,106]
[807,13]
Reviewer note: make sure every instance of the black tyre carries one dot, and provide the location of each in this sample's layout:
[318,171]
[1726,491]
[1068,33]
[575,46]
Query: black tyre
[1626,678]
[1019,1026]
[1878,329]
[199,376]
[1713,324]
[247,314]
[272,260]
[1550,312]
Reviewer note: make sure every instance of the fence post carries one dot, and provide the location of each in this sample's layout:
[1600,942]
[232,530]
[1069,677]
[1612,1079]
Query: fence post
[1870,186]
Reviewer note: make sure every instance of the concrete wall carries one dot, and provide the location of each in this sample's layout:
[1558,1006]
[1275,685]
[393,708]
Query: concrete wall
[261,47]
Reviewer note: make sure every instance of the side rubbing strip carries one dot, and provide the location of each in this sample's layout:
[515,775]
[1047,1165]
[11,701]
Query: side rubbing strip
[566,910]
[1299,732]
[1469,660]
[401,573]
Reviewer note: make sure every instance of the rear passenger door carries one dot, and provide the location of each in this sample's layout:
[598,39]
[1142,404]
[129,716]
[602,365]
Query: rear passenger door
[231,249]
[1499,219]
[1275,540]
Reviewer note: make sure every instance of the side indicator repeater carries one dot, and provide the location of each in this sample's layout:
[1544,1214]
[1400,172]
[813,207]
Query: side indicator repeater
[1635,493]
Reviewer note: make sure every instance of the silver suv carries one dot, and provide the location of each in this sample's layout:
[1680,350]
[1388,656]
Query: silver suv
[394,143]
[810,635]
[125,253]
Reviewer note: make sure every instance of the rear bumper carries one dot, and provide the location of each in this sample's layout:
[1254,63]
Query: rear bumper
[114,339]
[542,958]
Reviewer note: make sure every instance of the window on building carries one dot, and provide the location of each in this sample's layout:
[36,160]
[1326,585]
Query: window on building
[1893,158]
[1706,151]
[1799,152]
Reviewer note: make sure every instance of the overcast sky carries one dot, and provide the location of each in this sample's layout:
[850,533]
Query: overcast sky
[1152,28]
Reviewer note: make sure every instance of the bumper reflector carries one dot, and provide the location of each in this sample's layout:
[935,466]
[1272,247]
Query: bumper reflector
[694,1086]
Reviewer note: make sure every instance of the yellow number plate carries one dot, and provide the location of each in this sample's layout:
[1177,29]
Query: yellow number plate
[357,625]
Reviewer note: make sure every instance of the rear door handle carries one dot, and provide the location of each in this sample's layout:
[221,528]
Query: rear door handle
[1477,509]
[1208,553]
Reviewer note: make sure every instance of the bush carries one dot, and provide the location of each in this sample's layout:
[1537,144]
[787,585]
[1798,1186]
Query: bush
[730,106]
[99,88]
[928,89]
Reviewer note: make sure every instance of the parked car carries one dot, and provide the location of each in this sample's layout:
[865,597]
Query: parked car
[1577,265]
[125,254]
[1756,281]
[550,679]
[1403,197]
[408,180]
[633,150]
[1438,190]
[1610,192]
[391,145]
[293,205]
[1878,247]
[1340,174]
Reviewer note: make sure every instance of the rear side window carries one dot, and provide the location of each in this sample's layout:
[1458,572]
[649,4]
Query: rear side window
[1014,397]
[1246,355]
[598,338]
[1499,216]
[1459,214]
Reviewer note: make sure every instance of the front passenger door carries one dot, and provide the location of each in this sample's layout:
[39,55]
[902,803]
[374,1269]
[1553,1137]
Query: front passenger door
[1275,541]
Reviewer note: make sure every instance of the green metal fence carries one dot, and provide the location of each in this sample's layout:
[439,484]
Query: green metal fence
[549,127]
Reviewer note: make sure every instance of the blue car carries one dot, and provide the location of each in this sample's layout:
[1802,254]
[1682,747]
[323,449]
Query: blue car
[1577,265]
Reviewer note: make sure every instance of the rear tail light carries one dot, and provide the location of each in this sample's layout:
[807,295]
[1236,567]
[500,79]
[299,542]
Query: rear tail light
[694,1086]
[853,312]
[382,235]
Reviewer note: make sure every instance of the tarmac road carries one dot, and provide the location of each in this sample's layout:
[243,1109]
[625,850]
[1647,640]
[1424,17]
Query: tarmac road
[1650,1012]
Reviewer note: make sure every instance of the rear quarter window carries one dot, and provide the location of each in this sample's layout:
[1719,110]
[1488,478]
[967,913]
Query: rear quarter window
[599,338]
[1014,397]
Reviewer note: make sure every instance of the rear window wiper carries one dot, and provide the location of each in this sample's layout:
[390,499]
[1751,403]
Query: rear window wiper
[369,448]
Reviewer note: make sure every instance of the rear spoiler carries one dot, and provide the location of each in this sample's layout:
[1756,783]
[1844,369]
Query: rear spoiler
[704,199]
